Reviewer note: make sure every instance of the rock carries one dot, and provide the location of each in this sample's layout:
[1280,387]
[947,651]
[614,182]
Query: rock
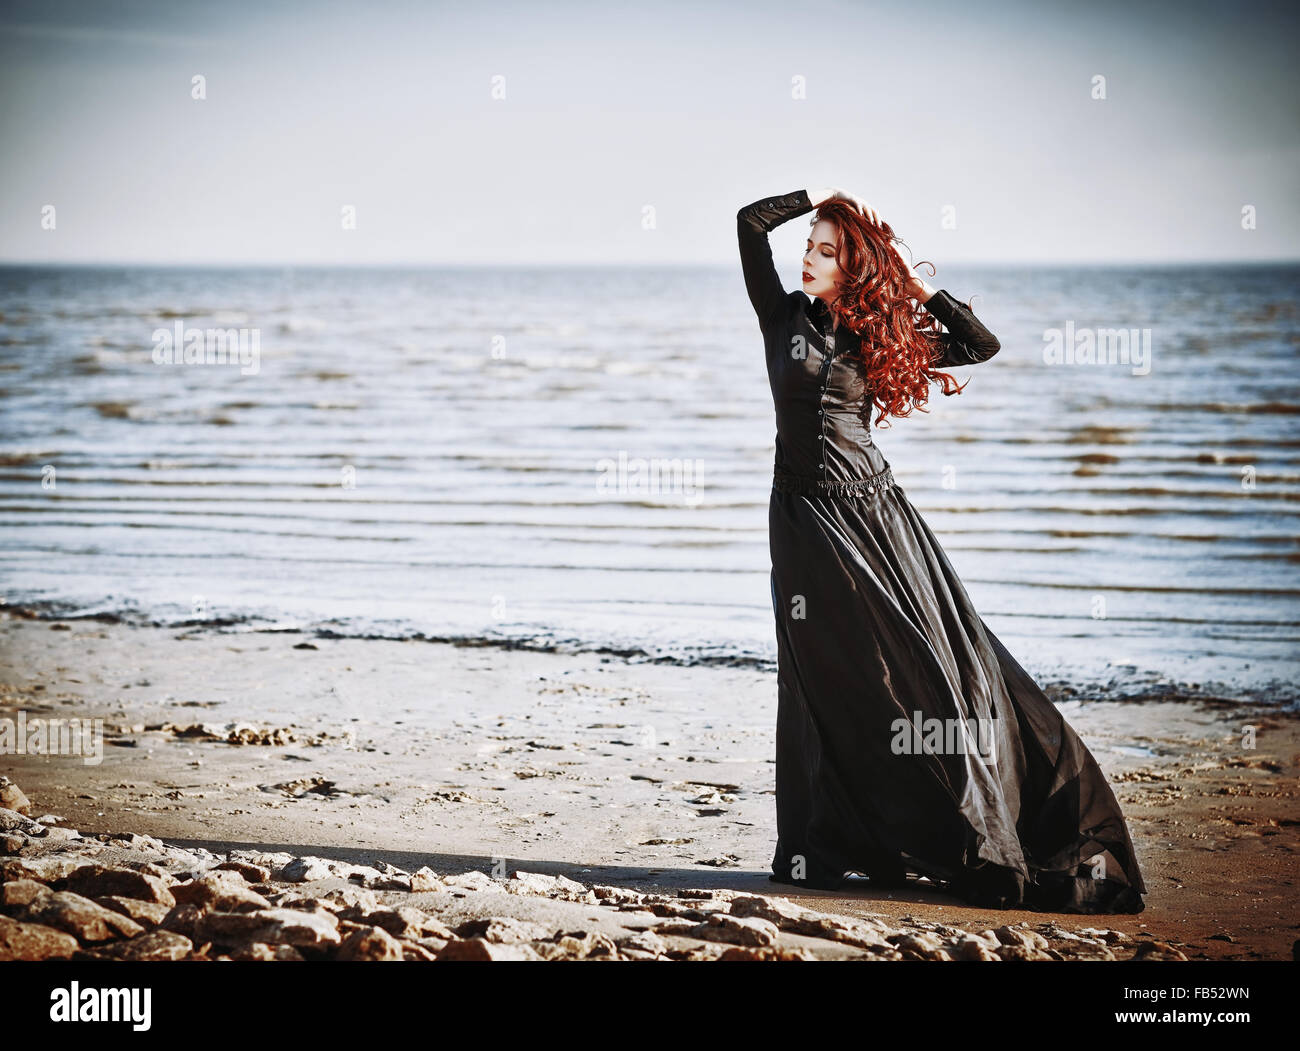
[1157,950]
[415,951]
[473,881]
[273,861]
[309,869]
[432,945]
[251,873]
[145,913]
[96,881]
[12,821]
[272,926]
[424,878]
[373,943]
[262,951]
[156,945]
[856,931]
[61,835]
[973,948]
[18,894]
[406,921]
[182,919]
[389,870]
[1083,950]
[312,907]
[480,949]
[720,861]
[45,870]
[923,945]
[12,798]
[503,929]
[221,890]
[184,865]
[293,898]
[617,895]
[708,893]
[1108,936]
[135,841]
[639,908]
[583,944]
[247,733]
[882,952]
[380,876]
[80,917]
[781,911]
[767,952]
[231,733]
[14,842]
[682,909]
[675,925]
[1021,952]
[538,883]
[941,929]
[934,956]
[643,941]
[34,941]
[149,868]
[350,900]
[746,930]
[712,952]
[986,938]
[1020,936]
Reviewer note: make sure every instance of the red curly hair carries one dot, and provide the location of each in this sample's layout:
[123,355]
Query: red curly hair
[901,341]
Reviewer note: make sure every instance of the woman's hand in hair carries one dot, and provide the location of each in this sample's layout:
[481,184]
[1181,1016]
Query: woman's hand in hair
[864,209]
[823,194]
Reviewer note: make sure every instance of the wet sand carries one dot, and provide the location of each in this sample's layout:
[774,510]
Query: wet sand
[645,776]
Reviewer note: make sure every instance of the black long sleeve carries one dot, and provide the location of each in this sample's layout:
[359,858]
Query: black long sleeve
[753,223]
[967,341]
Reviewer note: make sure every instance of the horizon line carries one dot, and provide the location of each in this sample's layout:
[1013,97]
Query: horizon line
[425,265]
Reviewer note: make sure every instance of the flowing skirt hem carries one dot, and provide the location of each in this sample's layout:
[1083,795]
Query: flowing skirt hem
[985,885]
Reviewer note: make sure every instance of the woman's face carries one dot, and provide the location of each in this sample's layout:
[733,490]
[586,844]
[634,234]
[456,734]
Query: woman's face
[821,270]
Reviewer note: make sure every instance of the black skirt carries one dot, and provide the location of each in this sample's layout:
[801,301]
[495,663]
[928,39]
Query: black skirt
[908,739]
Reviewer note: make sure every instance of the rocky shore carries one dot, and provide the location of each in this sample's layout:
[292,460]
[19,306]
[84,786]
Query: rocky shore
[134,897]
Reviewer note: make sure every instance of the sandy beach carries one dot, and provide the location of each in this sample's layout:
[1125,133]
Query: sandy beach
[650,777]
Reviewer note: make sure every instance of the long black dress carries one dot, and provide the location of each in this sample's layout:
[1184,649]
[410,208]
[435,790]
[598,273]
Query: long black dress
[999,801]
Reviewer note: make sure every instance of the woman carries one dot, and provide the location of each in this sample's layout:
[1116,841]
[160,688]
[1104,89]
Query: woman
[908,739]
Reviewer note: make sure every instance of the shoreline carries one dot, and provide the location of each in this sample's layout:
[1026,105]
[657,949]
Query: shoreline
[651,777]
[1127,682]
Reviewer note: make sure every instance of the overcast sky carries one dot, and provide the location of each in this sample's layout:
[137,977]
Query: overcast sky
[680,111]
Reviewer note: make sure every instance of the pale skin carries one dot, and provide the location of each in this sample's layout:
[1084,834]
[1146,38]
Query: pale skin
[821,271]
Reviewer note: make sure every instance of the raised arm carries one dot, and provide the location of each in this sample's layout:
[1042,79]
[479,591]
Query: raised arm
[753,223]
[967,341]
